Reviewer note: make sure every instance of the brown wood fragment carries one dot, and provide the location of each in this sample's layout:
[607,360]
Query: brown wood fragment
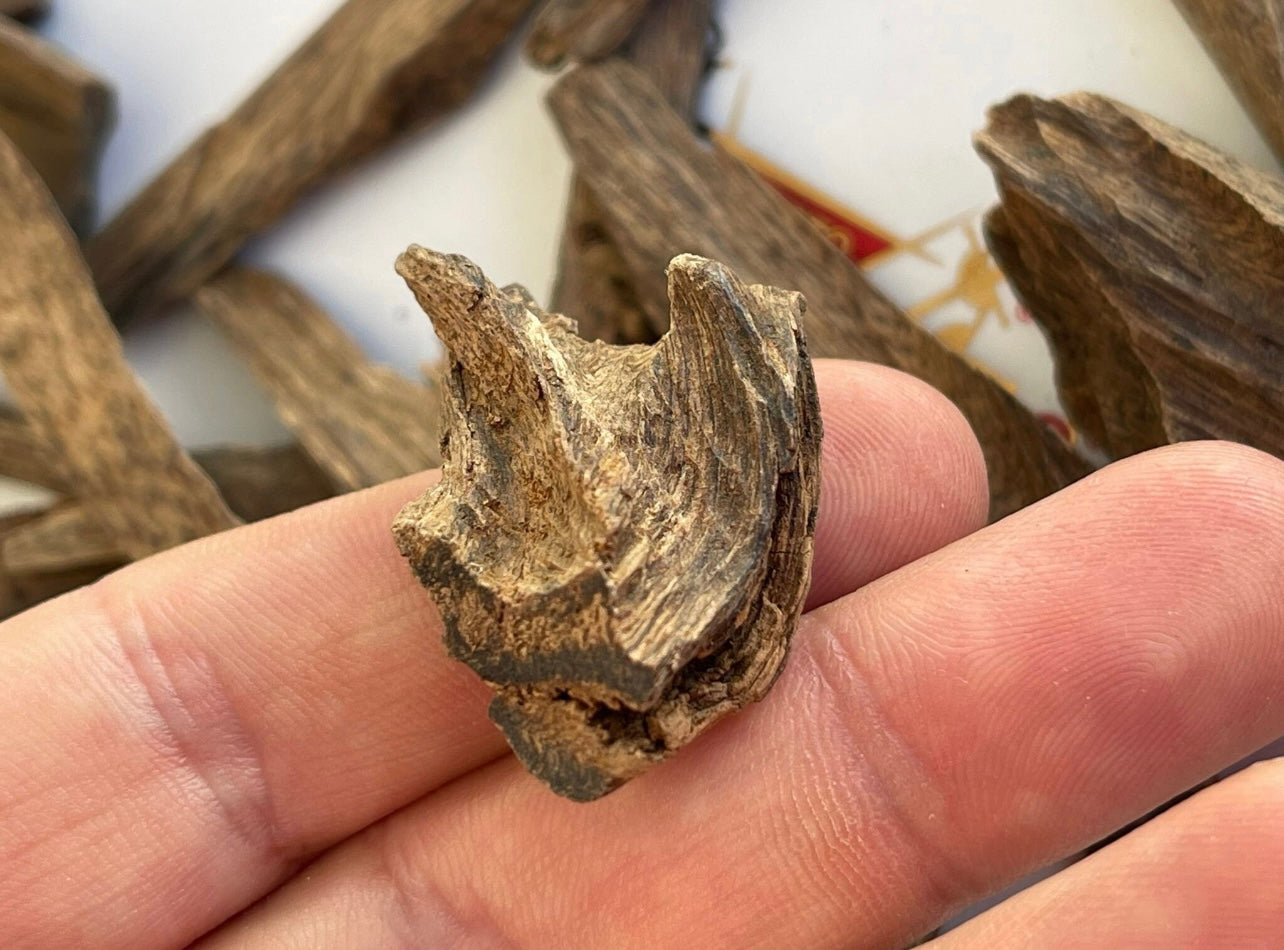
[362,424]
[27,11]
[665,191]
[1246,40]
[18,592]
[256,483]
[262,483]
[1155,264]
[581,30]
[64,538]
[58,114]
[374,70]
[64,365]
[593,279]
[621,539]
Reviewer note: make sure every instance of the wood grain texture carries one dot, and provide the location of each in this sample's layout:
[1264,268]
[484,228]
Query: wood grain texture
[581,30]
[18,592]
[362,424]
[64,538]
[665,191]
[64,365]
[1155,264]
[621,539]
[255,483]
[593,279]
[1246,40]
[374,70]
[58,114]
[27,11]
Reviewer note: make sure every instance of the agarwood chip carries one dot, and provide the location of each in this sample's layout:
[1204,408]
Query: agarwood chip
[581,30]
[621,539]
[373,71]
[67,371]
[361,422]
[1154,262]
[1246,39]
[58,114]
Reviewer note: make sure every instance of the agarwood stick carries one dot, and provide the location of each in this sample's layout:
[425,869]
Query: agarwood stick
[1246,40]
[1154,262]
[581,30]
[374,70]
[362,424]
[621,538]
[64,365]
[58,114]
[64,538]
[663,190]
[256,483]
[593,279]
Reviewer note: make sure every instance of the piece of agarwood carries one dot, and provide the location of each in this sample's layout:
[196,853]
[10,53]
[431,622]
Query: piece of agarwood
[621,539]
[256,483]
[65,368]
[663,191]
[1246,40]
[58,114]
[64,538]
[374,70]
[581,30]
[1154,262]
[18,592]
[593,279]
[25,10]
[363,424]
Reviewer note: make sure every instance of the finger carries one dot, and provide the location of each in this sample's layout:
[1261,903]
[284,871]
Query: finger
[935,736]
[1204,875]
[216,715]
[902,476]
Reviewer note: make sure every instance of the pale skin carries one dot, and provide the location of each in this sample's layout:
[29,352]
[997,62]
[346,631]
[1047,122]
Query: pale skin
[256,740]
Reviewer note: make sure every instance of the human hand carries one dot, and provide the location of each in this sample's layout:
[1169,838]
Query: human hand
[265,719]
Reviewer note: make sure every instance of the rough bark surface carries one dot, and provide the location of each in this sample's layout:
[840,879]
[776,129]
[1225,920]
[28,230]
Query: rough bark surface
[593,280]
[58,114]
[581,30]
[363,424]
[374,70]
[664,191]
[622,536]
[1246,39]
[65,368]
[1155,264]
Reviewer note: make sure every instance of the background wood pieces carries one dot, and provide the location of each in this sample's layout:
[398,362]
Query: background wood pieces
[362,424]
[621,539]
[664,190]
[1154,262]
[1246,39]
[64,365]
[581,30]
[58,114]
[593,279]
[374,70]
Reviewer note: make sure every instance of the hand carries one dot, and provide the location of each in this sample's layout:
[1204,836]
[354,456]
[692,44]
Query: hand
[266,720]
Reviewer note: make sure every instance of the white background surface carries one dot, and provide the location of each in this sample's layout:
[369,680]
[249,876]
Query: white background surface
[873,101]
